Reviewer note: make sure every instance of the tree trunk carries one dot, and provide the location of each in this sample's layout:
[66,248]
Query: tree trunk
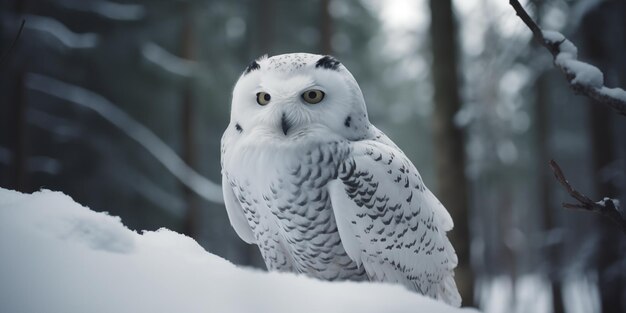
[545,187]
[190,226]
[19,140]
[18,120]
[602,39]
[265,23]
[546,179]
[449,143]
[326,28]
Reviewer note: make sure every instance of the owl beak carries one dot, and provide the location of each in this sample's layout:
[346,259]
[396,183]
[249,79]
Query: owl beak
[285,124]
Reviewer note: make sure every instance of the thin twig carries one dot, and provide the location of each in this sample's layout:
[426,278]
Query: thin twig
[6,54]
[597,93]
[607,207]
[537,33]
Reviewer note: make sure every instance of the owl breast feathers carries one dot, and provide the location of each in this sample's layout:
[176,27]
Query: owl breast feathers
[322,191]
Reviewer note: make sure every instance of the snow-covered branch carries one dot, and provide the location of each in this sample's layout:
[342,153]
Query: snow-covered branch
[61,33]
[59,256]
[135,130]
[607,206]
[583,78]
[108,9]
[588,80]
[167,61]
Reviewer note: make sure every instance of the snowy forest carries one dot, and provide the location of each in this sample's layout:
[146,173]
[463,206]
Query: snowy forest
[121,105]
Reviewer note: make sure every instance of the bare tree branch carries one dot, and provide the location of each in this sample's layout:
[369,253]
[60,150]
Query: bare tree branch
[607,206]
[204,187]
[6,54]
[583,78]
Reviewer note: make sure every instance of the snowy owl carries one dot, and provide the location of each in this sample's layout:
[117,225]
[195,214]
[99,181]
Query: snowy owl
[323,192]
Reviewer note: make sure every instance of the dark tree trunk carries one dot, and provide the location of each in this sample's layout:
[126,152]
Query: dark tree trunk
[190,226]
[265,23]
[546,179]
[449,142]
[19,139]
[326,28]
[604,33]
[545,187]
[18,119]
[610,283]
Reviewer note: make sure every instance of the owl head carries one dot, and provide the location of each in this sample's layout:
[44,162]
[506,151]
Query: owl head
[287,94]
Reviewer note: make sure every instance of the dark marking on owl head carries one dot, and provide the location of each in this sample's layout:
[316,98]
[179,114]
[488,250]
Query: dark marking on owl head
[347,121]
[328,62]
[253,66]
[238,128]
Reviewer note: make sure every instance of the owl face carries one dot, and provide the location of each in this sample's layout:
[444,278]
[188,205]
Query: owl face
[288,94]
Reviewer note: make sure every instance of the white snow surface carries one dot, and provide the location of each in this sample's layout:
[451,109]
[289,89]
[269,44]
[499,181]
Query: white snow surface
[552,36]
[605,199]
[584,73]
[58,256]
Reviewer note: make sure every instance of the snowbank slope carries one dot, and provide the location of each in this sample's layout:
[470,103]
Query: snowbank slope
[58,256]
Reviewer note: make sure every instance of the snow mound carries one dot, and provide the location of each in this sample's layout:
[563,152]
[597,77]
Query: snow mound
[58,256]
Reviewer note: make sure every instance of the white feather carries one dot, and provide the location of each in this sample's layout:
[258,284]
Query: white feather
[235,214]
[394,245]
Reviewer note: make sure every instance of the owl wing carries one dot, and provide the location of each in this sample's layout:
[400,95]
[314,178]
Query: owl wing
[391,223]
[234,209]
[235,212]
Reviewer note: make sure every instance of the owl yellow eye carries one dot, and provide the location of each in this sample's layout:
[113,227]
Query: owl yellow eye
[313,96]
[263,98]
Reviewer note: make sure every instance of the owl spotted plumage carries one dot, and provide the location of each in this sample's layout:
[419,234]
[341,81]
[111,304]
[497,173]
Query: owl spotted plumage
[322,191]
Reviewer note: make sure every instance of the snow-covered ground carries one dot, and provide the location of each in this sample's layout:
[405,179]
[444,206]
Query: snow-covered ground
[58,256]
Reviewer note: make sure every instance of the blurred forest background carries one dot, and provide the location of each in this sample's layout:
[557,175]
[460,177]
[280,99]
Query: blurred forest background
[97,94]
